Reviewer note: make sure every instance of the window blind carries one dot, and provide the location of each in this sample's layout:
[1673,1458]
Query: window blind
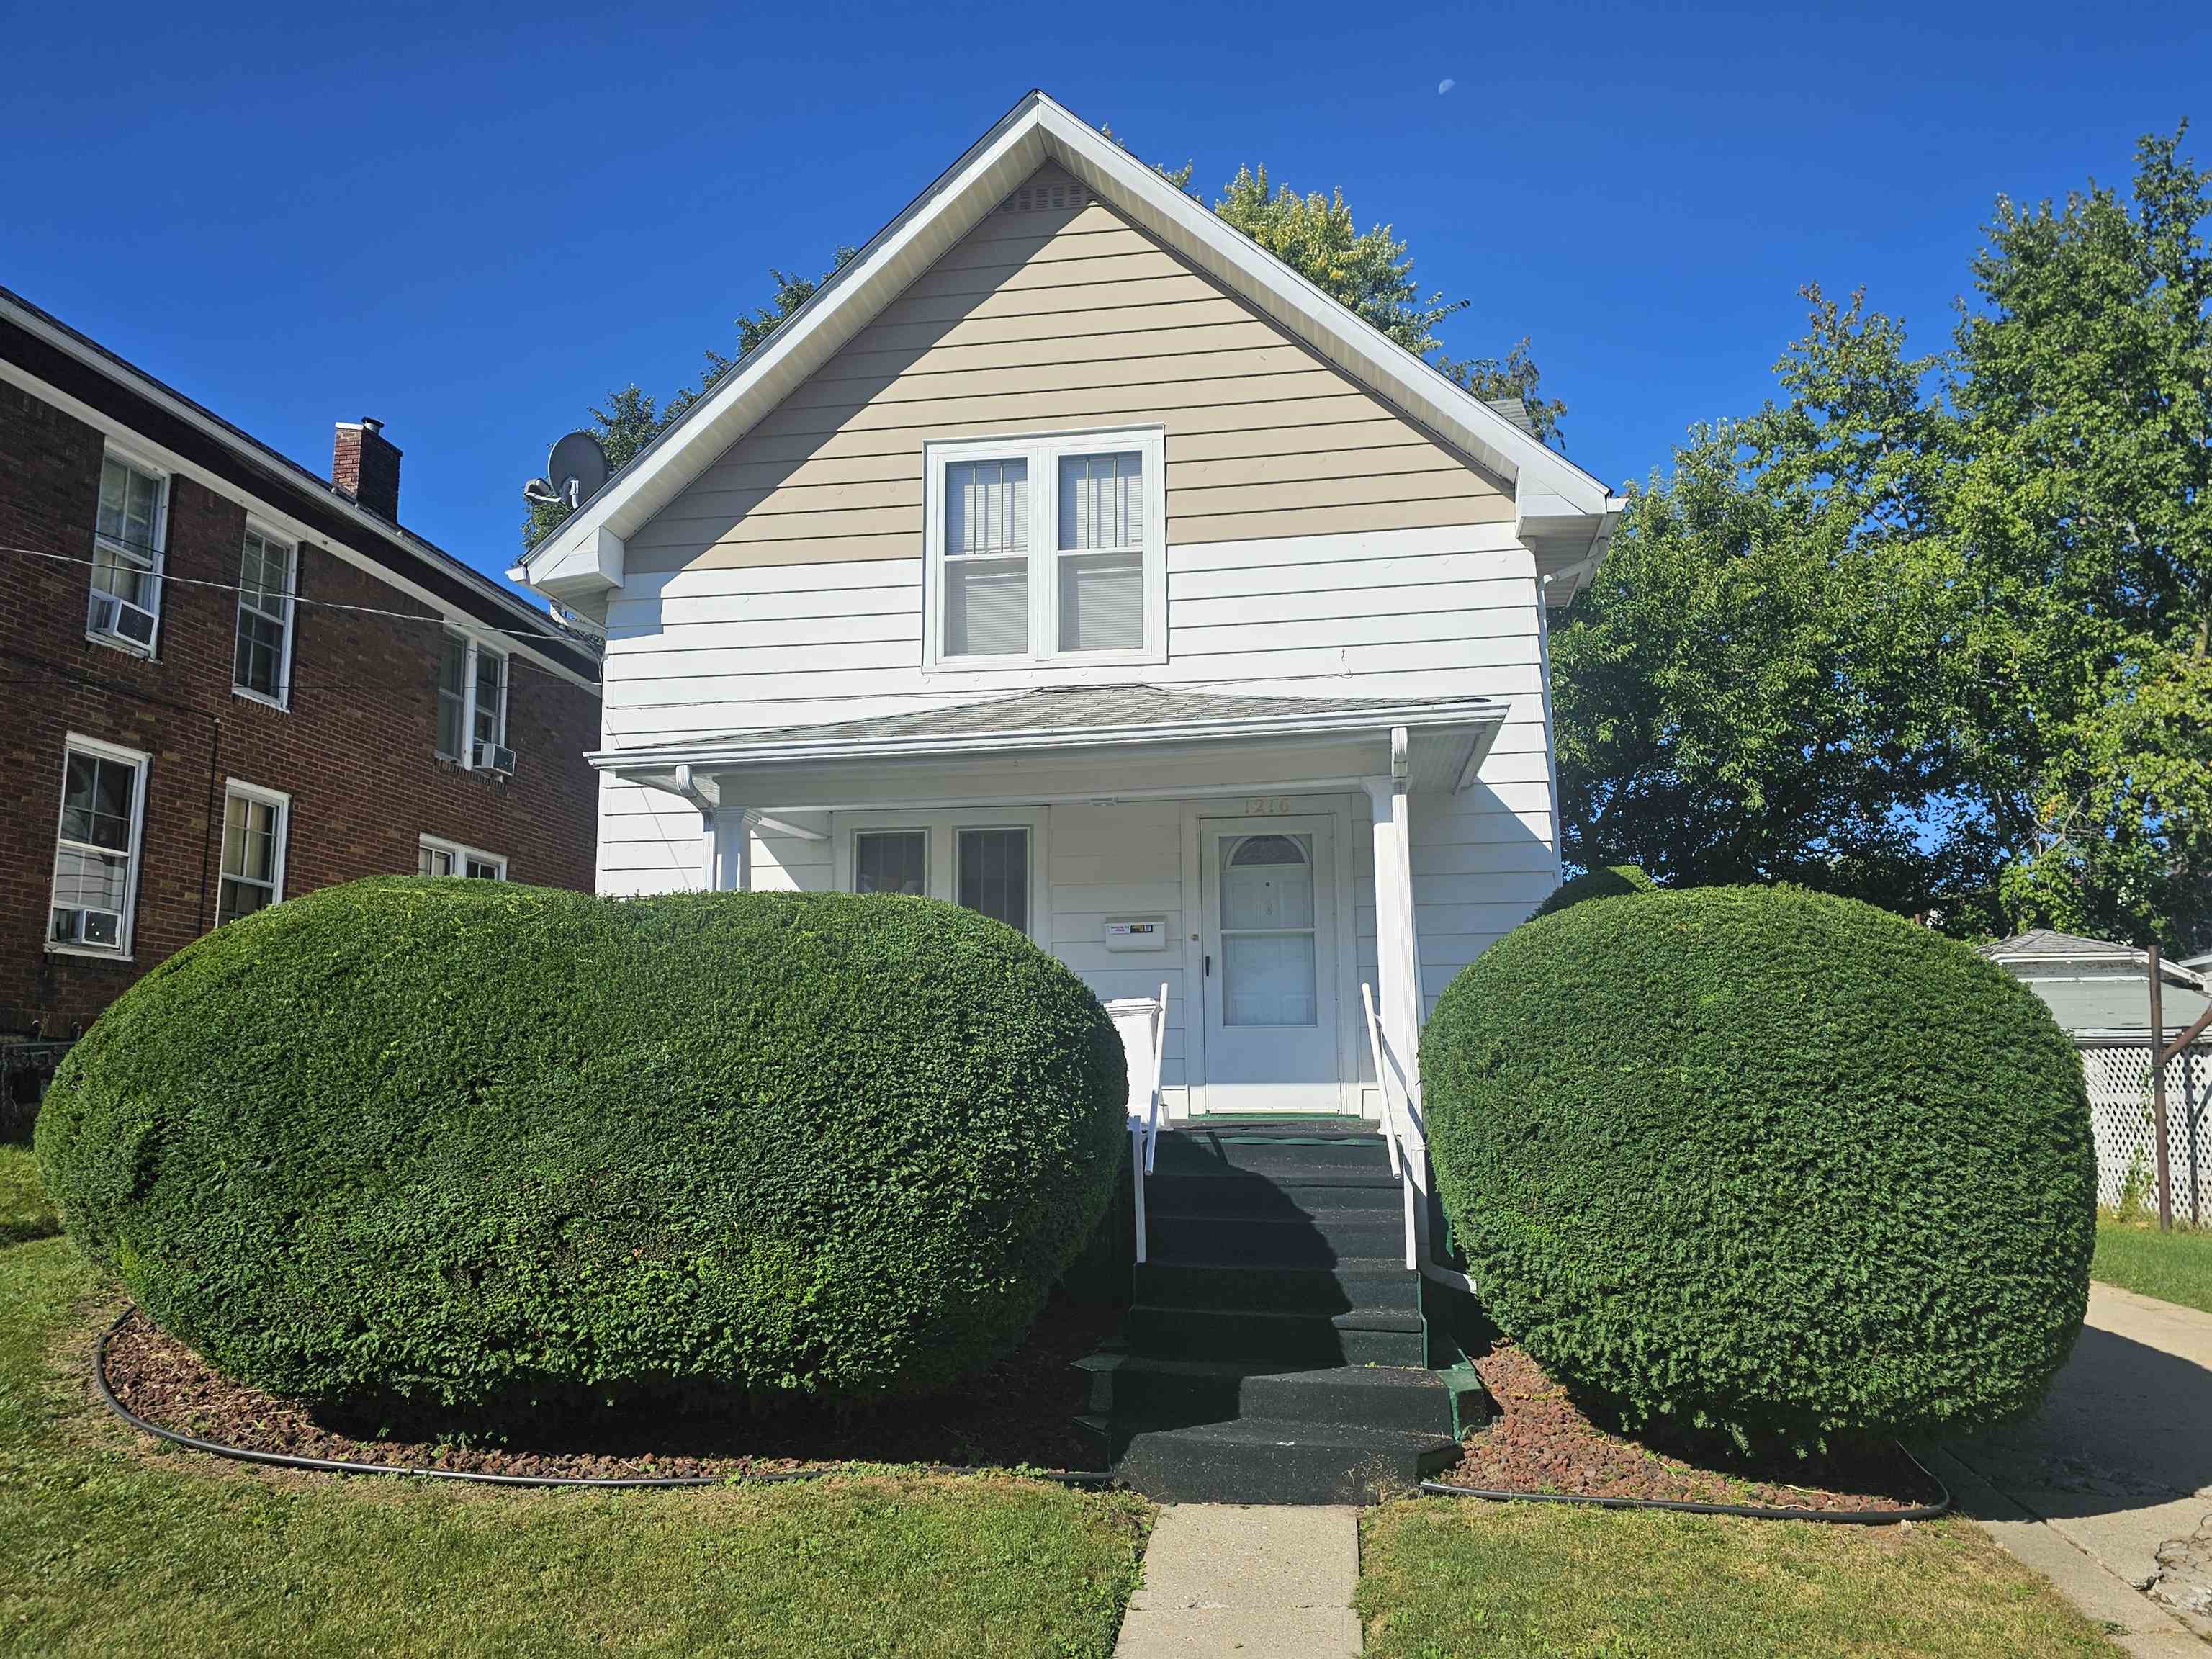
[1102,560]
[987,571]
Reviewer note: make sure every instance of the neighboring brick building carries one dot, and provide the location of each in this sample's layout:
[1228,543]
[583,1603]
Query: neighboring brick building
[180,754]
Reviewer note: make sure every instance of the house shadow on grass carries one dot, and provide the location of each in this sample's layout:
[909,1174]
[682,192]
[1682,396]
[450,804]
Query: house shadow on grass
[2127,1426]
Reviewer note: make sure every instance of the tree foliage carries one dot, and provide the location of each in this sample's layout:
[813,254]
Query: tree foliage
[1932,631]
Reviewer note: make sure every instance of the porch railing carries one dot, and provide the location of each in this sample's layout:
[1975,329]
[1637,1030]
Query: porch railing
[1397,1116]
[1143,1024]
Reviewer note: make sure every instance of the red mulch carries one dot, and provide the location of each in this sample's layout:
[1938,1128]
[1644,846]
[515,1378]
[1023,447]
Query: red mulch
[1020,1413]
[1541,1442]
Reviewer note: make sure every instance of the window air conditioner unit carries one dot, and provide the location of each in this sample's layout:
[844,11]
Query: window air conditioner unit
[127,622]
[491,757]
[103,927]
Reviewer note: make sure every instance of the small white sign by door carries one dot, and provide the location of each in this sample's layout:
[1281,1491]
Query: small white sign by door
[1270,964]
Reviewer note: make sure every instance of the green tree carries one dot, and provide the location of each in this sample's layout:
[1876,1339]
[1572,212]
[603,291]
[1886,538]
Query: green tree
[629,419]
[2081,533]
[1741,694]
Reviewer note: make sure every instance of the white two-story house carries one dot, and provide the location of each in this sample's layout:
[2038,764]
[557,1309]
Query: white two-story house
[1070,557]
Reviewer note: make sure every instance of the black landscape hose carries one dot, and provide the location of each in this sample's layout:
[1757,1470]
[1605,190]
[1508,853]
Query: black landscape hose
[1749,1511]
[334,1466]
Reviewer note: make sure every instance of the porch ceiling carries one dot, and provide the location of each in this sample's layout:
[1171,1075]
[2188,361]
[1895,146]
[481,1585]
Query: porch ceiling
[1076,743]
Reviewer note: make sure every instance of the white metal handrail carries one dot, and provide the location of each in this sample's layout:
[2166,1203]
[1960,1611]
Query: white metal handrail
[1402,1153]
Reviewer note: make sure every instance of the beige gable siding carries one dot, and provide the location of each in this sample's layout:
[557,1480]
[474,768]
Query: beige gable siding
[1064,317]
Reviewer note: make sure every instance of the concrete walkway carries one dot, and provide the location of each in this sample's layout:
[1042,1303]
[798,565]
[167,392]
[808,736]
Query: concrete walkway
[1225,1579]
[2109,1491]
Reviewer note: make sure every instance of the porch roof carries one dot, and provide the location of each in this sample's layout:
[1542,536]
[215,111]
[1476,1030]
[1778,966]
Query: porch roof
[1454,732]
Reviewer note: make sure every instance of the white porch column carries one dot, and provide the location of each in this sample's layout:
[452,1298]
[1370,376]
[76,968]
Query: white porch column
[729,851]
[1398,953]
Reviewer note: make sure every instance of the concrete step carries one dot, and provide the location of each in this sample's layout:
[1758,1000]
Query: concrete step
[1140,1387]
[1321,1240]
[1377,1281]
[1181,1152]
[1257,1460]
[1380,1335]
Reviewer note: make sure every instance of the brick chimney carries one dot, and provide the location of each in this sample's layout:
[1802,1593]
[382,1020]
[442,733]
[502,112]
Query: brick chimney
[365,464]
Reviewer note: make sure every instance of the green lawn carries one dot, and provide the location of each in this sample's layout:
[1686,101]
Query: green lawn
[2173,1267]
[24,1211]
[107,1546]
[1446,1577]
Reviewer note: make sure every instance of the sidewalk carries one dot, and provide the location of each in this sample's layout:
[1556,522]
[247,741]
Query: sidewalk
[1261,1582]
[2117,1467]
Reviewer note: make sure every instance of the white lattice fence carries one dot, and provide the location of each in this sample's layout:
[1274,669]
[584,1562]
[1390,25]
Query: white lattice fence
[2120,1111]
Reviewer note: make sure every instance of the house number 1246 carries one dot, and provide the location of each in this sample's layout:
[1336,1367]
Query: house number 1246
[1266,806]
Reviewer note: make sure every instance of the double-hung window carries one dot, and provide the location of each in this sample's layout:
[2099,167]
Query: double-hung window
[263,660]
[1046,550]
[254,825]
[96,849]
[472,704]
[128,530]
[437,857]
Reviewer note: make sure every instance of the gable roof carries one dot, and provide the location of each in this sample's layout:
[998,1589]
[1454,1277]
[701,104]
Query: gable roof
[1566,514]
[2041,947]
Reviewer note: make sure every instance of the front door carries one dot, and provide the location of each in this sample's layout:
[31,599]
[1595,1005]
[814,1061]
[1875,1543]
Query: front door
[1269,917]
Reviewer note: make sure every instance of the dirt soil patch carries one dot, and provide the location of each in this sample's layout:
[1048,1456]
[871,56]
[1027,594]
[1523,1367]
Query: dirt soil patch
[1542,1442]
[1019,1413]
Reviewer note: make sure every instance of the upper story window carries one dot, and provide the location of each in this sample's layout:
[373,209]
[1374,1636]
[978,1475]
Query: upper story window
[473,705]
[96,848]
[263,667]
[1048,550]
[126,555]
[254,822]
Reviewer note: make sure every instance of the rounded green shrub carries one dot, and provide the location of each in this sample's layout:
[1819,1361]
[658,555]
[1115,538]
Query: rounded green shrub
[1605,882]
[1766,1162]
[484,1145]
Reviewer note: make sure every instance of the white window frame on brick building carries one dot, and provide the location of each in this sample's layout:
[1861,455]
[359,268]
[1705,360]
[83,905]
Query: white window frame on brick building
[239,801]
[120,560]
[479,739]
[260,611]
[439,857]
[88,843]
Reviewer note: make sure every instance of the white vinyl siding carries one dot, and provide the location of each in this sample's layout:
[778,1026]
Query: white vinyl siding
[262,666]
[96,848]
[255,825]
[129,532]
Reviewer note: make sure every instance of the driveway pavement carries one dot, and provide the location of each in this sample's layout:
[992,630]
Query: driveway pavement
[2118,1465]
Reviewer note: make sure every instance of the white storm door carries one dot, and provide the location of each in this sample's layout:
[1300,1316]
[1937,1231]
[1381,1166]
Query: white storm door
[1270,964]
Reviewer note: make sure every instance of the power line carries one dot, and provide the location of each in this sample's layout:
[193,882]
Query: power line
[536,634]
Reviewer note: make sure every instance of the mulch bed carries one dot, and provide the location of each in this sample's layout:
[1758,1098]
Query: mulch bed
[1542,1442]
[1020,1413]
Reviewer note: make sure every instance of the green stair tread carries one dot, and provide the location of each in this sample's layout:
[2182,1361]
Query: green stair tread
[1349,1319]
[1415,1378]
[1276,1432]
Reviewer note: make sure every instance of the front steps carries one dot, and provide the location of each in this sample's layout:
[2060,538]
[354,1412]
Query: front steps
[1274,1351]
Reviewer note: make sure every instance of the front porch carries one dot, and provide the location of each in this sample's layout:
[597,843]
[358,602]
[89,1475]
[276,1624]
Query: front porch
[1255,856]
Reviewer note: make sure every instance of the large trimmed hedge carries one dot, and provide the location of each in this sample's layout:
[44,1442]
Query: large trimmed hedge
[1607,881]
[1766,1161]
[483,1143]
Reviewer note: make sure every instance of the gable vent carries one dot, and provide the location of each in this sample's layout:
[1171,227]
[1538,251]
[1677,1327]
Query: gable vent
[1047,199]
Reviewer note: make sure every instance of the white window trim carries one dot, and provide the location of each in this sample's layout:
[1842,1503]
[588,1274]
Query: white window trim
[467,758]
[142,461]
[272,798]
[270,537]
[460,853]
[143,763]
[940,850]
[1041,452]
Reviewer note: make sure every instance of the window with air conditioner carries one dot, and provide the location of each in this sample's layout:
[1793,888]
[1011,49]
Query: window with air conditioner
[262,667]
[1046,550]
[472,679]
[255,822]
[129,527]
[96,848]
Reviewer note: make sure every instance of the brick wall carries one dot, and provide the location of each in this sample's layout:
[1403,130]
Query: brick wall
[355,751]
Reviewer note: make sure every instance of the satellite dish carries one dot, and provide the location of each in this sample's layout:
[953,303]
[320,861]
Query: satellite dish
[573,471]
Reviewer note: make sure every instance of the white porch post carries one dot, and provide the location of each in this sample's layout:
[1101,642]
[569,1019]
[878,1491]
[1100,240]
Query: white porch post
[1398,953]
[730,849]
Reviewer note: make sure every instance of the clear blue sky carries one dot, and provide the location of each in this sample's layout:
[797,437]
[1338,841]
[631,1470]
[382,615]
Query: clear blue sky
[471,228]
